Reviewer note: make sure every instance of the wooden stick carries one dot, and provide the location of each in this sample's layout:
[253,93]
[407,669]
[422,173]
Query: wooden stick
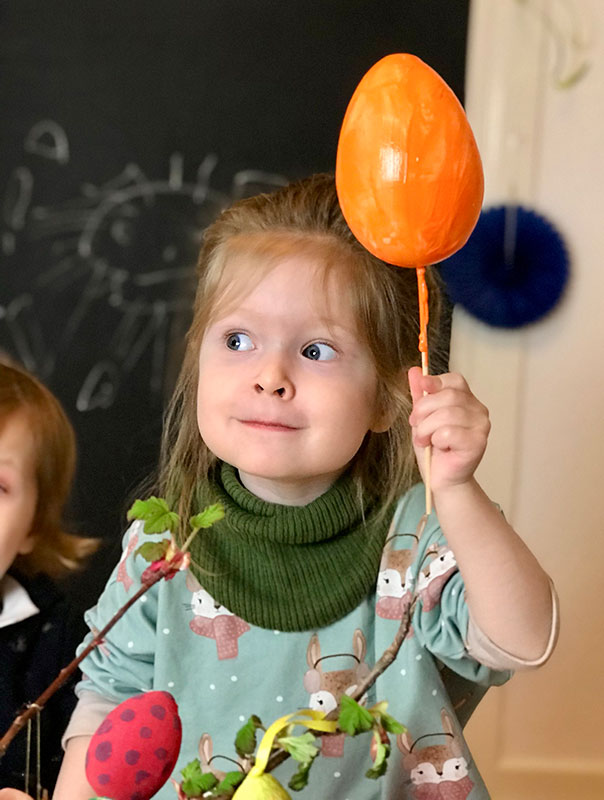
[427,451]
[422,293]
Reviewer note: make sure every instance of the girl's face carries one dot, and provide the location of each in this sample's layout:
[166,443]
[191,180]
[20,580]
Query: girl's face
[18,489]
[287,389]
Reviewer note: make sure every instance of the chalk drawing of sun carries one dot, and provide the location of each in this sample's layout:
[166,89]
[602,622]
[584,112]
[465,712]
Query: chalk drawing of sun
[121,258]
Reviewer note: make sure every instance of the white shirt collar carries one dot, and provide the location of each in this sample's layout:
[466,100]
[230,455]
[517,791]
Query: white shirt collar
[17,605]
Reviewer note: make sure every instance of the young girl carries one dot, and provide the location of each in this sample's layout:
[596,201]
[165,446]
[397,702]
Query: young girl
[37,634]
[298,409]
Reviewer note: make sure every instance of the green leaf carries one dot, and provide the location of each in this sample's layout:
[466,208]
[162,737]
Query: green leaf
[353,718]
[302,748]
[195,782]
[245,740]
[207,517]
[153,551]
[391,725]
[229,783]
[388,723]
[156,514]
[299,780]
[380,765]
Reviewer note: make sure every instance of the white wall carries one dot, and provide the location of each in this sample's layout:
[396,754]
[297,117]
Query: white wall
[544,145]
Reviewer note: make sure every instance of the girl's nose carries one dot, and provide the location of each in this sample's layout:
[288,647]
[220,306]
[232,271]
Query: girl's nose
[285,390]
[273,380]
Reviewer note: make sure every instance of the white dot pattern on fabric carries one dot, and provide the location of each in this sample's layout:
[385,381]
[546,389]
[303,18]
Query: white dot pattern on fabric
[276,633]
[241,718]
[143,599]
[212,686]
[111,680]
[453,592]
[130,644]
[403,672]
[418,657]
[234,678]
[337,774]
[279,699]
[170,684]
[434,692]
[166,631]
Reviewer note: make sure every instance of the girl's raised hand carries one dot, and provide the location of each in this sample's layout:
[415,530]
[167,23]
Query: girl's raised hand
[453,421]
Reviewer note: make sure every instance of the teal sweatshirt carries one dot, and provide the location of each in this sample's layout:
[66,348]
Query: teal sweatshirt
[221,668]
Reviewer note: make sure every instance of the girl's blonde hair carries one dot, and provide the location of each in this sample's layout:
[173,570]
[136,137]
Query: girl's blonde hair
[55,551]
[302,217]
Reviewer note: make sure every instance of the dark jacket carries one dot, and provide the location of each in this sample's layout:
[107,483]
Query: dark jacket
[32,652]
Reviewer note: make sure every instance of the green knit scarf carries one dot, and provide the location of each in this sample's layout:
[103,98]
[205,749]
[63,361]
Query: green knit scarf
[289,568]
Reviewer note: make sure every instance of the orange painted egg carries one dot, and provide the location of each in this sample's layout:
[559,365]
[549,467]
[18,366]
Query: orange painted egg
[408,171]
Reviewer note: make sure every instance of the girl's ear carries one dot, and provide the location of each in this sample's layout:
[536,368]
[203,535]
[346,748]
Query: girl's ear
[383,421]
[27,544]
[385,408]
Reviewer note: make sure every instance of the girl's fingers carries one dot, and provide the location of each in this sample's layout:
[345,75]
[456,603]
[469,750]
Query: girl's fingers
[429,384]
[467,419]
[420,384]
[456,439]
[447,398]
[415,383]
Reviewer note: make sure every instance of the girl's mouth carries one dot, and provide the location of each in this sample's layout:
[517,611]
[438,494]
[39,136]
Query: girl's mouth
[268,425]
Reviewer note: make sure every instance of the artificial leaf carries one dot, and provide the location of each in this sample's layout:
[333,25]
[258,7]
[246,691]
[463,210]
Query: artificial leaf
[229,783]
[207,517]
[380,765]
[245,740]
[353,718]
[302,748]
[195,782]
[156,514]
[299,780]
[153,551]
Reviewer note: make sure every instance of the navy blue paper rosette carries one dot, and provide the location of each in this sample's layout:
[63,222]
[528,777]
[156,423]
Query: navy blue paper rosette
[513,269]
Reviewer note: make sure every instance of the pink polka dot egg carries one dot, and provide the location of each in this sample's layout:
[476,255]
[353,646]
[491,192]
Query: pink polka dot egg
[134,750]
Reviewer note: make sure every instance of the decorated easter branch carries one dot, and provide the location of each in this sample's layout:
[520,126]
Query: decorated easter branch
[166,560]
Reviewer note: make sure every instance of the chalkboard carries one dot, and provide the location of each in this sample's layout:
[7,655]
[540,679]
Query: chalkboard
[126,126]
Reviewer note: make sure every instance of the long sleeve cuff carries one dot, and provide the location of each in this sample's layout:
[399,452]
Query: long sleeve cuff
[480,647]
[88,714]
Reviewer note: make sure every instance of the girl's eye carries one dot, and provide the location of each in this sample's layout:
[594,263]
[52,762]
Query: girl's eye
[239,341]
[319,351]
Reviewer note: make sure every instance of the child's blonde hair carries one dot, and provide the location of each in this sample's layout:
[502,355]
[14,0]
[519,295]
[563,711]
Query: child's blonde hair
[55,551]
[302,217]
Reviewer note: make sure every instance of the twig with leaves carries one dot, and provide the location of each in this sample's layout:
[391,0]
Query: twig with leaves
[166,560]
